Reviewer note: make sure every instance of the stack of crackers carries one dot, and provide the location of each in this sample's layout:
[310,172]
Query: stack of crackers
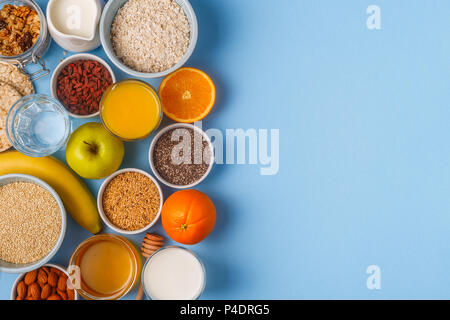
[13,86]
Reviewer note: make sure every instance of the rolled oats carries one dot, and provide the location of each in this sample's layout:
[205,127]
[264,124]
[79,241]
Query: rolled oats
[150,35]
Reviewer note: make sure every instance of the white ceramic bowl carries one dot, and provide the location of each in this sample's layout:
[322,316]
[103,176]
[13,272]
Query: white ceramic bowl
[100,202]
[21,276]
[66,61]
[153,144]
[108,15]
[20,268]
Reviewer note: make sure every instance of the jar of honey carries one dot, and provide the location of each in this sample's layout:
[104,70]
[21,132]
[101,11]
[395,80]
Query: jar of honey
[105,267]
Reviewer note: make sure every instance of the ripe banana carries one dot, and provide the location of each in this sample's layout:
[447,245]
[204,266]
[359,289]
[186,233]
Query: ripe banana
[75,195]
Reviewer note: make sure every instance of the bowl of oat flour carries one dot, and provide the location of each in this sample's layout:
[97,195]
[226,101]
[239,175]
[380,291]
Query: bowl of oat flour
[148,38]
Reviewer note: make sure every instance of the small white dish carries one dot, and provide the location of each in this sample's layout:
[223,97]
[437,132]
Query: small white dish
[60,67]
[176,126]
[72,42]
[100,202]
[21,276]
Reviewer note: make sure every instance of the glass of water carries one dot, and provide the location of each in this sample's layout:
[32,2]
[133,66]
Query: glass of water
[38,125]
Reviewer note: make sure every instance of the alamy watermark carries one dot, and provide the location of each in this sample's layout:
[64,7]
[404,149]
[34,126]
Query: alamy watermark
[374,20]
[373,282]
[237,146]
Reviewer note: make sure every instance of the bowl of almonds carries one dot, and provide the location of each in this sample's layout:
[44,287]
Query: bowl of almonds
[49,282]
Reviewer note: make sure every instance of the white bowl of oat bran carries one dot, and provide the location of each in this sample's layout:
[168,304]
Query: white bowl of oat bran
[130,201]
[32,213]
[148,38]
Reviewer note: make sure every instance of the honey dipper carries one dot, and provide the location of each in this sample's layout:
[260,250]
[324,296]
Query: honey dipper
[151,243]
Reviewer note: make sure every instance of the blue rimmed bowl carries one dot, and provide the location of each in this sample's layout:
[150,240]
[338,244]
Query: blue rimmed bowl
[108,15]
[9,267]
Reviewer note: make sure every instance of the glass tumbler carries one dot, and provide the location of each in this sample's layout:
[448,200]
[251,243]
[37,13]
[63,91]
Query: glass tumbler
[38,125]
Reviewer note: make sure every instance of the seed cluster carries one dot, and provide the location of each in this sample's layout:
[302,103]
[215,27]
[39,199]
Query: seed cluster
[186,172]
[30,222]
[131,201]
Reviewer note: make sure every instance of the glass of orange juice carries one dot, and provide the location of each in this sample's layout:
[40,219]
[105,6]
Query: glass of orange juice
[131,109]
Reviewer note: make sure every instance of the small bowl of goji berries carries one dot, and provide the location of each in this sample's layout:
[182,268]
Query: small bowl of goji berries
[79,82]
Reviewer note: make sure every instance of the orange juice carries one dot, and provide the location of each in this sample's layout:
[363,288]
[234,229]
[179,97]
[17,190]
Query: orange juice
[131,109]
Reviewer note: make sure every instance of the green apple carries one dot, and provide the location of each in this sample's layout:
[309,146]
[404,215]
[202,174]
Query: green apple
[93,152]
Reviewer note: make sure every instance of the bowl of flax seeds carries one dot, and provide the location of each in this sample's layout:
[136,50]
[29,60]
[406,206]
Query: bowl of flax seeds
[181,155]
[130,201]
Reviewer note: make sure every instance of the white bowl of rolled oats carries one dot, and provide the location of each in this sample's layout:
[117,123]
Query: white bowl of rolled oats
[32,223]
[148,38]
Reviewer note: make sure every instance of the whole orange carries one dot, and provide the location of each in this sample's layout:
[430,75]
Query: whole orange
[188,216]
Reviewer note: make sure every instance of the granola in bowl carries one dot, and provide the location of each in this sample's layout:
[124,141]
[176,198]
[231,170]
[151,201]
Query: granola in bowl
[19,29]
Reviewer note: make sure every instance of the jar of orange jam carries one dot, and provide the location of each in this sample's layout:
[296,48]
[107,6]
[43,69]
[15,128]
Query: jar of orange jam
[131,109]
[105,267]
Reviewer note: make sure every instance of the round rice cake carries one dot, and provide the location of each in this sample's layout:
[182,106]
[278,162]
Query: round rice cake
[11,75]
[8,96]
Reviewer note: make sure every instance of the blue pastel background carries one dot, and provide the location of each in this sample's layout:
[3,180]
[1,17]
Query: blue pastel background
[364,149]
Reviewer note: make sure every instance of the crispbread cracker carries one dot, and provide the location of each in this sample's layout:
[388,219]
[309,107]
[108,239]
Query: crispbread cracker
[8,96]
[9,74]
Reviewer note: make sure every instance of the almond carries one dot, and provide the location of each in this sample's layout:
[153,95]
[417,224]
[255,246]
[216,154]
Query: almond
[54,297]
[62,294]
[52,279]
[46,292]
[30,277]
[62,283]
[21,290]
[70,294]
[57,271]
[46,270]
[34,291]
[42,277]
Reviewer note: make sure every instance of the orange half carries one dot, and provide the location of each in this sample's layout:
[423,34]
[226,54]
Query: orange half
[187,95]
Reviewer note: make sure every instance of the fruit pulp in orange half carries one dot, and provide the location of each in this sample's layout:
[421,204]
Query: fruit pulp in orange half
[187,95]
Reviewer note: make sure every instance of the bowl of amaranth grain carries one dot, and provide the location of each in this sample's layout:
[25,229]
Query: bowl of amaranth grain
[32,223]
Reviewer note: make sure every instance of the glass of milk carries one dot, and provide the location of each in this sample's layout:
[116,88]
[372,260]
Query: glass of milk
[173,273]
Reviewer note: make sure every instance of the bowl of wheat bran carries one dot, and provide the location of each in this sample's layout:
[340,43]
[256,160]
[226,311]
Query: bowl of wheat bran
[32,223]
[130,201]
[148,38]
